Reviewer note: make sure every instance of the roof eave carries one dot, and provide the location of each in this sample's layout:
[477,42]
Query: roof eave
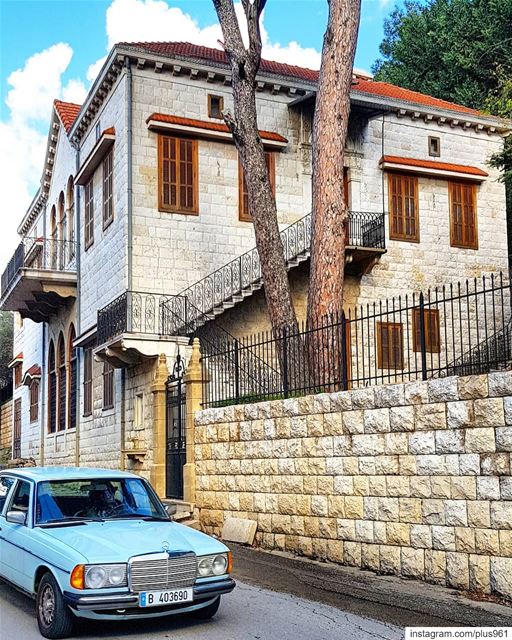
[111,58]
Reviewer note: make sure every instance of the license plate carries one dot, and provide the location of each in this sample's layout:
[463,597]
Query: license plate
[161,598]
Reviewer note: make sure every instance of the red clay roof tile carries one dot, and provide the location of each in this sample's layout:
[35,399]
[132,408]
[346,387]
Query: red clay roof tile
[211,126]
[67,112]
[432,164]
[363,85]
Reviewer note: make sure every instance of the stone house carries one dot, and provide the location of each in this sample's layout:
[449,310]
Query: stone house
[142,204]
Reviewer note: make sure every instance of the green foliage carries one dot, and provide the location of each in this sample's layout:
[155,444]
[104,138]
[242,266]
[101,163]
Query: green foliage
[6,343]
[458,50]
[452,49]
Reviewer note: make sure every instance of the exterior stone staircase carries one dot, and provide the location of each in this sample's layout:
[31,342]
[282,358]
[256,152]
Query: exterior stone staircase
[184,512]
[240,278]
[494,353]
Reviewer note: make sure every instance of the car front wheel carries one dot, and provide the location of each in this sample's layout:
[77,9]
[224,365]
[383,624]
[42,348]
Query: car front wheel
[205,613]
[54,617]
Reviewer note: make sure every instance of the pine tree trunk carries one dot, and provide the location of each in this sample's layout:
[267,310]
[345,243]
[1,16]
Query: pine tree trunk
[244,127]
[330,126]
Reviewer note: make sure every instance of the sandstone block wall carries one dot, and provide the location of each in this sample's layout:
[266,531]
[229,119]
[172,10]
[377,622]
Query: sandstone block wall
[409,479]
[6,418]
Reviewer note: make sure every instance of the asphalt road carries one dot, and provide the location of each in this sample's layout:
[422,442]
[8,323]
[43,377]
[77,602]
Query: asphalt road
[248,613]
[284,598]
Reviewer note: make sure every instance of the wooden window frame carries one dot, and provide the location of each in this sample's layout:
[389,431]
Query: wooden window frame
[385,359]
[62,384]
[243,211]
[212,97]
[89,214]
[108,386]
[432,331]
[72,366]
[18,370]
[34,401]
[178,208]
[393,234]
[88,386]
[52,388]
[465,243]
[108,189]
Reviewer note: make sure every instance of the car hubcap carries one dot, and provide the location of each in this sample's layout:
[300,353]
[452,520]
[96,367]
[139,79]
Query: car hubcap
[47,605]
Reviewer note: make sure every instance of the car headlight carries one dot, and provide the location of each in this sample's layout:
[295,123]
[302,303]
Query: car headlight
[99,576]
[216,565]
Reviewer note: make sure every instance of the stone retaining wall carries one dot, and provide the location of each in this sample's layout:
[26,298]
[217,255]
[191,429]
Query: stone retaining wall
[6,418]
[409,479]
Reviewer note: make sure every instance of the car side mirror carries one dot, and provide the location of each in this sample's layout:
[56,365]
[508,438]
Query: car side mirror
[171,509]
[16,517]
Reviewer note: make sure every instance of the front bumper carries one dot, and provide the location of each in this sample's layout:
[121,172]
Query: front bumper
[121,601]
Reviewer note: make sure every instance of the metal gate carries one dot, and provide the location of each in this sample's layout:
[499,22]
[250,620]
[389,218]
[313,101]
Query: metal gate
[175,423]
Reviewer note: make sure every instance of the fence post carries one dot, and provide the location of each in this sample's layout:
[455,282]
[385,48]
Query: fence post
[237,371]
[285,363]
[194,380]
[423,346]
[158,389]
[343,346]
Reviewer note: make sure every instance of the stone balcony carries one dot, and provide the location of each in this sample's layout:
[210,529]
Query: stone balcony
[133,328]
[40,278]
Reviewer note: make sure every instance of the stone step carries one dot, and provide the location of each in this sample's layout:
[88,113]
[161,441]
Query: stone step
[181,505]
[181,516]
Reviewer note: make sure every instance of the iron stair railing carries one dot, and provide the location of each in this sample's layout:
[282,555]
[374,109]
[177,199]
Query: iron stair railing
[240,277]
[491,354]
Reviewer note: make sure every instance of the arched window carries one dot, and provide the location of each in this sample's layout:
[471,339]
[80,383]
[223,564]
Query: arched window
[63,231]
[70,205]
[72,378]
[52,390]
[61,365]
[53,239]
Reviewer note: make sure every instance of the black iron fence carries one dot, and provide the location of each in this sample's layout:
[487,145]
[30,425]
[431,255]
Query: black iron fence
[458,329]
[46,254]
[138,312]
[230,282]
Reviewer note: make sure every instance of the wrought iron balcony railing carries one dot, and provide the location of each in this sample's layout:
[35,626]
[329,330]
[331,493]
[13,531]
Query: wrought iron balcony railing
[45,254]
[363,229]
[136,312]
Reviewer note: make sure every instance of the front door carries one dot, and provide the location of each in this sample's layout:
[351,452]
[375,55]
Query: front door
[175,419]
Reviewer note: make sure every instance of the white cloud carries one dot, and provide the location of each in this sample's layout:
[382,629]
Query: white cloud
[34,87]
[94,69]
[23,135]
[75,91]
[155,20]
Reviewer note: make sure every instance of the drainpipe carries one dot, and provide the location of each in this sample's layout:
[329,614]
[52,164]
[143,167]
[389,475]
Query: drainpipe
[129,214]
[383,172]
[129,204]
[122,464]
[78,306]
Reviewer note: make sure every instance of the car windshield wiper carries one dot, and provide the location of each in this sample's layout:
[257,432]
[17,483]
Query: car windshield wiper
[70,520]
[142,516]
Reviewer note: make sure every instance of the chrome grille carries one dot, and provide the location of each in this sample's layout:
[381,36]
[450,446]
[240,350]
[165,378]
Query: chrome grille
[161,571]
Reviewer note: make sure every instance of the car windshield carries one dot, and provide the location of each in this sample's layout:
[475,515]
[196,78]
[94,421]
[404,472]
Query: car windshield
[96,499]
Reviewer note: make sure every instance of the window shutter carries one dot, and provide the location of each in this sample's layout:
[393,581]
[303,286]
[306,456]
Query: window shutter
[463,227]
[403,205]
[390,349]
[178,174]
[87,382]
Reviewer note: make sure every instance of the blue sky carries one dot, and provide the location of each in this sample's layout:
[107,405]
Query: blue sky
[52,48]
